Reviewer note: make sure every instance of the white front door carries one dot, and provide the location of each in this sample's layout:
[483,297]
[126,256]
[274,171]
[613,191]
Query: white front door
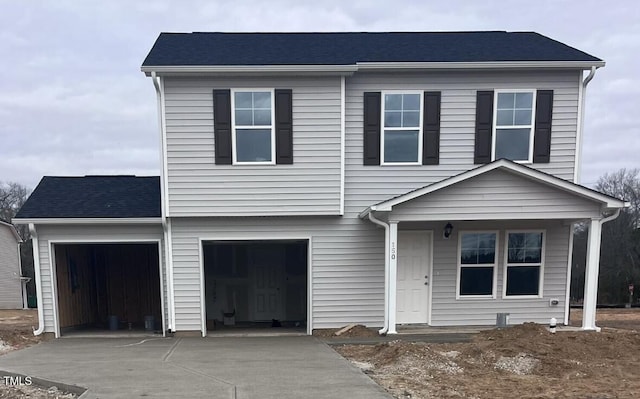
[414,258]
[267,266]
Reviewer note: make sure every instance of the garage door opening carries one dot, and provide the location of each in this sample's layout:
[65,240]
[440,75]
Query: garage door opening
[108,287]
[256,285]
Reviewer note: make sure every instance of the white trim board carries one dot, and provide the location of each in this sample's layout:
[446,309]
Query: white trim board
[266,237]
[37,221]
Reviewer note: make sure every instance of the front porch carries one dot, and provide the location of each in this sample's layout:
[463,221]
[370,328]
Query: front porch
[495,239]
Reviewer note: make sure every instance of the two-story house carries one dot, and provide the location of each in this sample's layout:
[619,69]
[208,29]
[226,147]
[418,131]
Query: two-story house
[318,179]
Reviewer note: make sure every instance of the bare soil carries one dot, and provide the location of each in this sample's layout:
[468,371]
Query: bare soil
[524,361]
[16,332]
[628,319]
[357,331]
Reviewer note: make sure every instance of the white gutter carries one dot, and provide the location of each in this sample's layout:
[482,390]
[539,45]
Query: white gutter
[249,69]
[581,103]
[36,268]
[150,220]
[385,326]
[480,65]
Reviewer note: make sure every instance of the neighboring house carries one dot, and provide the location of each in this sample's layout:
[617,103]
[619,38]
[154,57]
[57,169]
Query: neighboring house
[11,283]
[321,179]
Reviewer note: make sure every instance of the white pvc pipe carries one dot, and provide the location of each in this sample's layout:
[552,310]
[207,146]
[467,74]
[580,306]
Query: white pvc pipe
[36,268]
[385,326]
[580,123]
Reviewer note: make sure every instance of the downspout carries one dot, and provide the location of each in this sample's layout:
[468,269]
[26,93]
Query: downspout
[579,134]
[36,268]
[166,228]
[385,326]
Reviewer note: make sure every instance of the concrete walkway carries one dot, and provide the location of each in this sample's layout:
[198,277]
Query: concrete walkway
[269,367]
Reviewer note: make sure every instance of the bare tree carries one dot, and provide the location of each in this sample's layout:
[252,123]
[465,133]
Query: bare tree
[12,197]
[620,250]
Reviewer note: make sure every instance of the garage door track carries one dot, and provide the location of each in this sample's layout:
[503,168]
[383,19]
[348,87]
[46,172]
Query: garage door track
[246,367]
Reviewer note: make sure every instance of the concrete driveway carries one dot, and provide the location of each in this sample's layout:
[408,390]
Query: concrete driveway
[269,367]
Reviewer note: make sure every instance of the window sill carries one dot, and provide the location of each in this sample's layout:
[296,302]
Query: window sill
[509,297]
[473,297]
[400,164]
[253,163]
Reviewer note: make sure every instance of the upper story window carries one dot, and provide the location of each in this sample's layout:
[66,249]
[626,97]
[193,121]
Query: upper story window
[402,128]
[514,121]
[253,127]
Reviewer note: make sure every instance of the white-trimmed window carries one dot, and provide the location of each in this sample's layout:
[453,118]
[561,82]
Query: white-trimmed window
[477,264]
[514,119]
[523,264]
[253,126]
[401,128]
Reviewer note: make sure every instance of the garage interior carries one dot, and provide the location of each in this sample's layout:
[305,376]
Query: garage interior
[256,284]
[108,287]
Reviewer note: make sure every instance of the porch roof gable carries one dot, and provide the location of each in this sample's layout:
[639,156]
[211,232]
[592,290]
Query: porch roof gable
[605,201]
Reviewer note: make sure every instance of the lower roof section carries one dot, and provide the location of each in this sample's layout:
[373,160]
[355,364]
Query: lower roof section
[93,199]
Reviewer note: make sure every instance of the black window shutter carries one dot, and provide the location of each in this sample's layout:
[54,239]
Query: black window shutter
[284,126]
[222,126]
[431,128]
[371,144]
[484,127]
[542,132]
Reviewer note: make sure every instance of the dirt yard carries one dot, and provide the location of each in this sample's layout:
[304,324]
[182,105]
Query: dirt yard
[524,362]
[16,332]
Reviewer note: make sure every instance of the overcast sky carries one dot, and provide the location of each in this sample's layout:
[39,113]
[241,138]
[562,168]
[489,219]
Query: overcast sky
[73,100]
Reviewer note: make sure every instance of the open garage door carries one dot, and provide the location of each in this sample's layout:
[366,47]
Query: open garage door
[256,284]
[108,287]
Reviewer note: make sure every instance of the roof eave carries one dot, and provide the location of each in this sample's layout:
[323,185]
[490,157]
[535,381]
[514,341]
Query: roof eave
[363,66]
[249,69]
[139,220]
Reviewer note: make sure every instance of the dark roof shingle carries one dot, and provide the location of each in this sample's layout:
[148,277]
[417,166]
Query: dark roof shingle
[348,48]
[93,197]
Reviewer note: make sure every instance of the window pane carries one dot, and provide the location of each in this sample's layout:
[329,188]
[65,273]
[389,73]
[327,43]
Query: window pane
[392,119]
[512,144]
[533,255]
[505,100]
[244,117]
[262,99]
[486,256]
[393,102]
[533,240]
[476,280]
[253,145]
[504,118]
[469,257]
[469,241]
[486,240]
[522,117]
[515,255]
[261,117]
[400,145]
[516,240]
[411,119]
[243,100]
[523,280]
[411,102]
[524,100]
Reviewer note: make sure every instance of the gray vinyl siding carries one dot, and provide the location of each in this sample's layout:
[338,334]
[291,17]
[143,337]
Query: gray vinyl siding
[10,285]
[199,187]
[366,185]
[496,195]
[347,259]
[84,233]
[449,311]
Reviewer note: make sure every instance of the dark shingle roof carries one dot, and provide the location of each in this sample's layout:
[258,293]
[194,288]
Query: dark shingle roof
[93,197]
[349,48]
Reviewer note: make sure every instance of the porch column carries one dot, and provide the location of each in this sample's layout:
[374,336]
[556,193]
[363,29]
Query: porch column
[591,276]
[393,275]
